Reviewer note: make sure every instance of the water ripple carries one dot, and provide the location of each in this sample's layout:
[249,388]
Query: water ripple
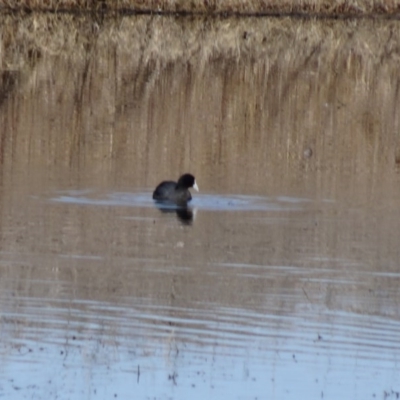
[209,202]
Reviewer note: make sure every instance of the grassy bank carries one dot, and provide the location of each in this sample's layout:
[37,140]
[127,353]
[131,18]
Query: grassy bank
[199,40]
[344,8]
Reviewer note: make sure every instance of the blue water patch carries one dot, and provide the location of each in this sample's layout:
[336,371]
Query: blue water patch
[211,202]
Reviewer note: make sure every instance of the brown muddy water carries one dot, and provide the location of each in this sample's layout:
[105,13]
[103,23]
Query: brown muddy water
[282,279]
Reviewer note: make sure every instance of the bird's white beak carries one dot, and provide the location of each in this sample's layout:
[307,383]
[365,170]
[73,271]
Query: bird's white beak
[195,187]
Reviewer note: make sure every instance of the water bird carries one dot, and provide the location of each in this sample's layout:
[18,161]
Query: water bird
[176,192]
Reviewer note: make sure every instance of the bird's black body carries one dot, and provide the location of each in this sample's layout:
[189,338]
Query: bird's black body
[175,192]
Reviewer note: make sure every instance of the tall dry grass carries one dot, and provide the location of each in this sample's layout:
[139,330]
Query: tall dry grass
[198,39]
[256,7]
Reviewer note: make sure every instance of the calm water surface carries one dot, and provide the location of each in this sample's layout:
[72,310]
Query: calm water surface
[280,281]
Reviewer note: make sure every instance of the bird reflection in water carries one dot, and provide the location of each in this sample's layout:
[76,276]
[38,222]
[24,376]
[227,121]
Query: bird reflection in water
[184,213]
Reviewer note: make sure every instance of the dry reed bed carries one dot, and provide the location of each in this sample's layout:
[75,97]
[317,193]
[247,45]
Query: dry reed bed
[326,7]
[165,40]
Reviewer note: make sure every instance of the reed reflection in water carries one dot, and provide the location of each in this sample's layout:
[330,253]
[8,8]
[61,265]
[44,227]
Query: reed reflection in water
[285,283]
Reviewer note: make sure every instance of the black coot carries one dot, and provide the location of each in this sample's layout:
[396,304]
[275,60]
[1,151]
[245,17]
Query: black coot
[176,192]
